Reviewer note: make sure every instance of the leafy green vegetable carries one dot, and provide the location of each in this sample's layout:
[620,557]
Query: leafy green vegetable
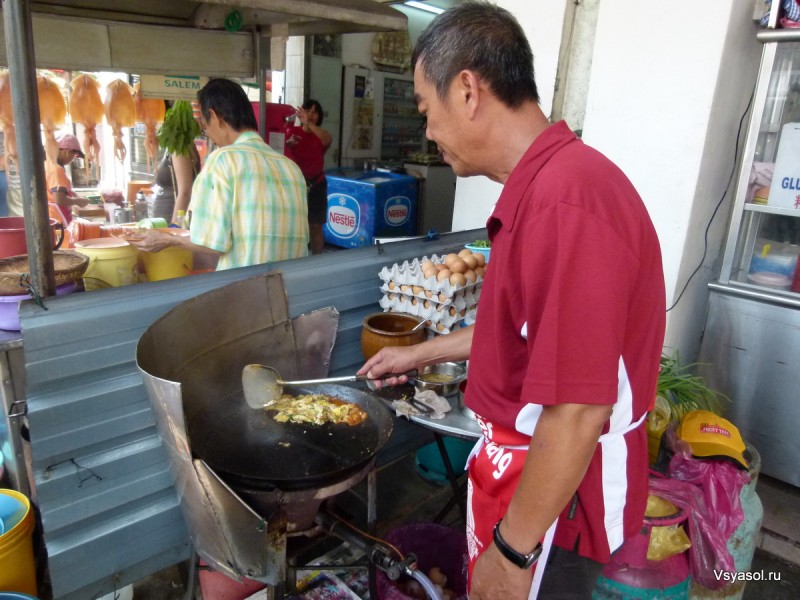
[686,392]
[179,129]
[481,244]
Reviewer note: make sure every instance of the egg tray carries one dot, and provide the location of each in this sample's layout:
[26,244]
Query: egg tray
[460,298]
[410,274]
[443,320]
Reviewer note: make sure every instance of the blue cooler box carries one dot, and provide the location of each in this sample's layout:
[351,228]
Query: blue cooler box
[365,205]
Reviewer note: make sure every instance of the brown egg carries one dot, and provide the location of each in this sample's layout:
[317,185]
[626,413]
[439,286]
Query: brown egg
[471,261]
[458,266]
[414,301]
[480,271]
[417,289]
[440,327]
[443,274]
[452,311]
[481,259]
[426,305]
[426,264]
[405,288]
[448,260]
[465,253]
[458,279]
[428,293]
[392,285]
[440,266]
[471,276]
[429,272]
[442,297]
[437,577]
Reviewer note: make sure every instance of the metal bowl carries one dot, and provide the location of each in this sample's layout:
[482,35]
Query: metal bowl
[456,372]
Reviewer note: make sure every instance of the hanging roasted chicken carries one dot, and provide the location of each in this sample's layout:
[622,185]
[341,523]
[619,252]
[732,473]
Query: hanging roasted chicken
[120,112]
[149,111]
[7,116]
[52,113]
[86,107]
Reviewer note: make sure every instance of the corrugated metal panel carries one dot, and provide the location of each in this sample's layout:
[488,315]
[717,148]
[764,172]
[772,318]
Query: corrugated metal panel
[109,512]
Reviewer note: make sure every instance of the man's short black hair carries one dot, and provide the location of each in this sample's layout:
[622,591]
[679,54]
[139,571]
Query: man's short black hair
[230,103]
[480,37]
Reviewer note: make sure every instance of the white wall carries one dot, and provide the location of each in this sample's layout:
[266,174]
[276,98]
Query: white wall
[667,114]
[666,92]
[295,71]
[543,21]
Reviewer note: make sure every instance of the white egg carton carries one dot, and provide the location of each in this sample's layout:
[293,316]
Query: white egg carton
[409,279]
[443,321]
[406,290]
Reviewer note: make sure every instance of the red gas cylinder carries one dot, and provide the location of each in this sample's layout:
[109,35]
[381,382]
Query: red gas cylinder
[630,574]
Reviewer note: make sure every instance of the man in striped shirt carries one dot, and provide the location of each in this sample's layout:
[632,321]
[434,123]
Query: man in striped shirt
[248,202]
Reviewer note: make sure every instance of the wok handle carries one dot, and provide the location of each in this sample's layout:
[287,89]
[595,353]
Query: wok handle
[345,378]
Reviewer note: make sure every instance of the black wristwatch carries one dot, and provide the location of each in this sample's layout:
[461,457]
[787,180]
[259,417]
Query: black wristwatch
[523,561]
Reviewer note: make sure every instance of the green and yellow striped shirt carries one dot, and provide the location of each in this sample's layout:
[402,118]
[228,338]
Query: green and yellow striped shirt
[249,202]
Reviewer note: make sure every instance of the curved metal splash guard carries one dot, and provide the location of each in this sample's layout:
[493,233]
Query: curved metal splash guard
[198,349]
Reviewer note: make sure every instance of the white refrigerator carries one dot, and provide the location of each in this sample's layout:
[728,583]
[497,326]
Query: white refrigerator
[380,120]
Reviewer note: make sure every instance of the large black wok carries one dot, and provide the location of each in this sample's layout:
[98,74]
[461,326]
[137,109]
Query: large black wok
[248,447]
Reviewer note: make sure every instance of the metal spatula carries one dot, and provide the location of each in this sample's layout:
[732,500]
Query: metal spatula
[263,385]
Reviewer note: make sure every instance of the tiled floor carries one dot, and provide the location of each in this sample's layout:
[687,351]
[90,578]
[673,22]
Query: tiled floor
[404,497]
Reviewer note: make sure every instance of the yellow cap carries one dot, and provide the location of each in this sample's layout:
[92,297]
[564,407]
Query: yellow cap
[711,436]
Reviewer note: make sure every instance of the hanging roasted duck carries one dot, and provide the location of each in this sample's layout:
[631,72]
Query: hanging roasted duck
[150,112]
[86,107]
[120,112]
[7,116]
[52,113]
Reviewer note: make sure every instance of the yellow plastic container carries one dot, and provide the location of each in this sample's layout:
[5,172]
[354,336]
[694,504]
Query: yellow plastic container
[17,561]
[112,263]
[167,263]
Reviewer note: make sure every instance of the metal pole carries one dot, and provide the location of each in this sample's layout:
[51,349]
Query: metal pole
[261,79]
[30,152]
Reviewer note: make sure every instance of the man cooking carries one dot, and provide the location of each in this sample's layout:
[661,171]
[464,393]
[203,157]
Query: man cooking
[61,196]
[248,202]
[564,354]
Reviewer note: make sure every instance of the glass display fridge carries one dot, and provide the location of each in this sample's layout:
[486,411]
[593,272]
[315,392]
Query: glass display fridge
[380,120]
[751,344]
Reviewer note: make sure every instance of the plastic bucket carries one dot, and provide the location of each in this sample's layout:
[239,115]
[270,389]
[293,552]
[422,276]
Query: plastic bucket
[167,263]
[12,236]
[430,464]
[9,307]
[112,262]
[17,563]
[435,546]
[220,587]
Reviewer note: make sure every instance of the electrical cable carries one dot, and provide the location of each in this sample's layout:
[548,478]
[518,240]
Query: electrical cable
[717,207]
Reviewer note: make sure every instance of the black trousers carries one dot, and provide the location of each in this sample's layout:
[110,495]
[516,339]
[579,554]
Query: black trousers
[568,576]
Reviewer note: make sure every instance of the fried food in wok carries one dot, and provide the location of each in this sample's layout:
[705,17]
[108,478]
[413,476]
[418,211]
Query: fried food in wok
[317,409]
